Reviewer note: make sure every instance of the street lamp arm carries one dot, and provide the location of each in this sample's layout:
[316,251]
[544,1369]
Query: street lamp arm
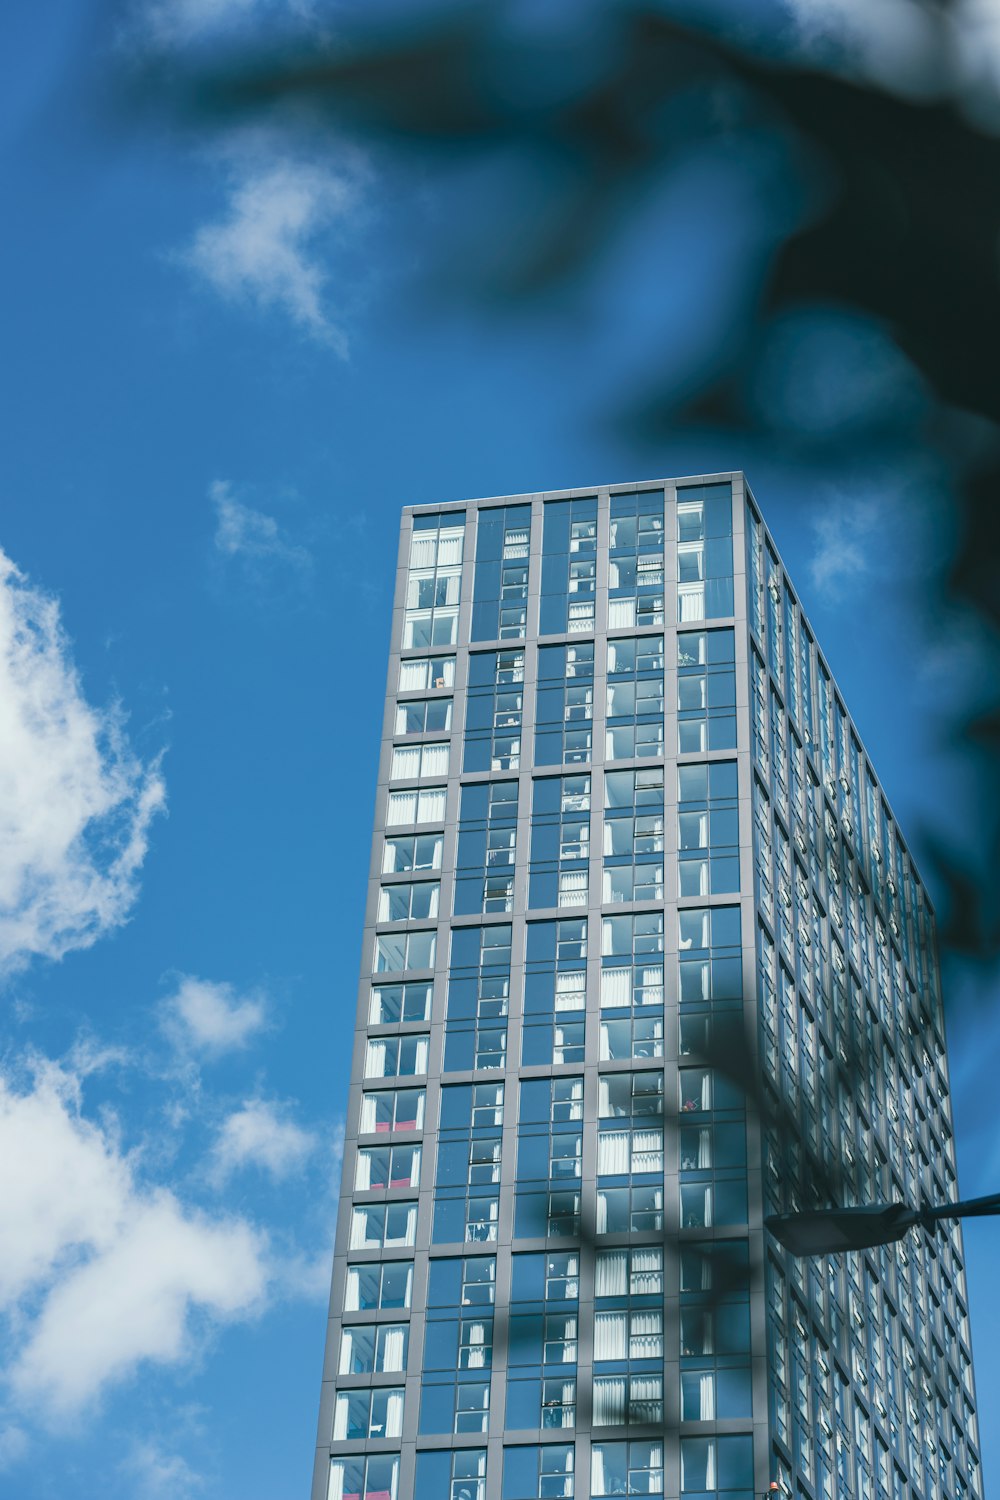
[829,1231]
[968,1208]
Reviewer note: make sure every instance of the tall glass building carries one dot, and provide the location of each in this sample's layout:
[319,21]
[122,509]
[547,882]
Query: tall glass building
[645,959]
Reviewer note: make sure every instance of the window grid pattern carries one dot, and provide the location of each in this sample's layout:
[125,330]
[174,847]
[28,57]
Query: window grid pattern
[538,1109]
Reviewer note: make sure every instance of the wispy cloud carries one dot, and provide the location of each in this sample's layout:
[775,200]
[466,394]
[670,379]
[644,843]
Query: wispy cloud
[100,1271]
[153,1472]
[843,553]
[210,1017]
[76,803]
[243,532]
[270,247]
[260,1135]
[167,24]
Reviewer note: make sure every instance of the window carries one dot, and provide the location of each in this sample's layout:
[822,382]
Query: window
[368,1414]
[399,1002]
[393,1109]
[493,711]
[395,1056]
[421,851]
[534,1473]
[378,1286]
[560,841]
[569,566]
[421,673]
[433,582]
[708,829]
[410,901]
[487,836]
[634,698]
[387,1167]
[500,591]
[478,998]
[458,1475]
[706,691]
[564,704]
[635,578]
[467,1198]
[423,805]
[458,1345]
[636,1272]
[710,958]
[549,1157]
[721,1464]
[555,992]
[423,716]
[633,836]
[388,1226]
[626,1469]
[360,1478]
[375,1347]
[412,761]
[399,951]
[632,977]
[704,551]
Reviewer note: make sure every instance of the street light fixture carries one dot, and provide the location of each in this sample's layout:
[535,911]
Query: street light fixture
[832,1231]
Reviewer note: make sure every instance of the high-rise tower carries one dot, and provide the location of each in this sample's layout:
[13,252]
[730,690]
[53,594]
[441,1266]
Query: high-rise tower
[645,958]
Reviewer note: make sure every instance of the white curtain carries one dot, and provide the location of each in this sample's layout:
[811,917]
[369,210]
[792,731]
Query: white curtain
[646,1340]
[430,808]
[346,1351]
[352,1291]
[413,675]
[706,1398]
[647,1271]
[435,901]
[706,1089]
[393,1347]
[340,1419]
[336,1490]
[401,808]
[652,985]
[423,549]
[369,1109]
[375,1059]
[573,888]
[690,601]
[597,1480]
[610,1340]
[394,1414]
[647,1144]
[571,990]
[405,763]
[621,612]
[420,1055]
[704,1147]
[610,1397]
[613,1151]
[603,1097]
[616,987]
[434,760]
[612,1274]
[415,1167]
[450,546]
[363,1172]
[646,1398]
[477,1347]
[710,1467]
[366,1228]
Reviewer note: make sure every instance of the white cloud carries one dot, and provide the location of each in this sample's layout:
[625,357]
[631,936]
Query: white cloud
[242,532]
[257,1135]
[99,1271]
[177,23]
[210,1017]
[153,1472]
[843,551]
[75,802]
[267,248]
[924,50]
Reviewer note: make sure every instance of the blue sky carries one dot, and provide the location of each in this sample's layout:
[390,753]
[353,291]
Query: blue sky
[226,370]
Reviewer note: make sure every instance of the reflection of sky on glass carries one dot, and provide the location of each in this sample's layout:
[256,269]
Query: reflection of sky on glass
[256,650]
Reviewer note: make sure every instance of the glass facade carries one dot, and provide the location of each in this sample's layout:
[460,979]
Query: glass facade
[646,959]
